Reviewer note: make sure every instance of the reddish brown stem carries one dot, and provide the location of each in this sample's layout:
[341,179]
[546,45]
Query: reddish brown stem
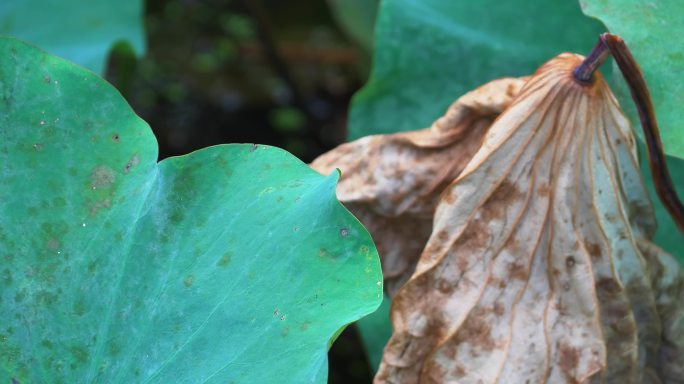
[642,98]
[585,71]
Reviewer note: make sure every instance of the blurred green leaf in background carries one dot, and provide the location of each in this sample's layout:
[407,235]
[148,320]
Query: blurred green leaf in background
[430,52]
[81,31]
[357,18]
[653,32]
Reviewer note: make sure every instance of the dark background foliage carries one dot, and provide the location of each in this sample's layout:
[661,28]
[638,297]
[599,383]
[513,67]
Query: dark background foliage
[269,72]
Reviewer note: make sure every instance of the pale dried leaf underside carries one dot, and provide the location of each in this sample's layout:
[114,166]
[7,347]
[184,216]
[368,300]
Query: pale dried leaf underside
[392,183]
[536,270]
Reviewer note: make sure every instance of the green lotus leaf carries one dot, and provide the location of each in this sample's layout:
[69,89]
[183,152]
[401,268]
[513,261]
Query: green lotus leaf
[81,31]
[430,52]
[235,263]
[652,31]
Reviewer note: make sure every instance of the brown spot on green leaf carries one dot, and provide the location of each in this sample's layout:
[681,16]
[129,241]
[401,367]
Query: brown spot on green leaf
[135,160]
[188,281]
[224,261]
[102,177]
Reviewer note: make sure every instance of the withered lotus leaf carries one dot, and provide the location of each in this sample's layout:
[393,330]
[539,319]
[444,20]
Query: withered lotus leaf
[392,183]
[537,268]
[667,280]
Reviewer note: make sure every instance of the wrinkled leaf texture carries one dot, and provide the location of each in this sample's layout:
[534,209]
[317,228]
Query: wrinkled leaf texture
[392,183]
[429,52]
[538,267]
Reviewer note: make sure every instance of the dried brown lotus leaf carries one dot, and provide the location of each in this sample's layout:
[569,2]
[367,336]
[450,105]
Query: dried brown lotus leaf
[667,278]
[392,183]
[533,271]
